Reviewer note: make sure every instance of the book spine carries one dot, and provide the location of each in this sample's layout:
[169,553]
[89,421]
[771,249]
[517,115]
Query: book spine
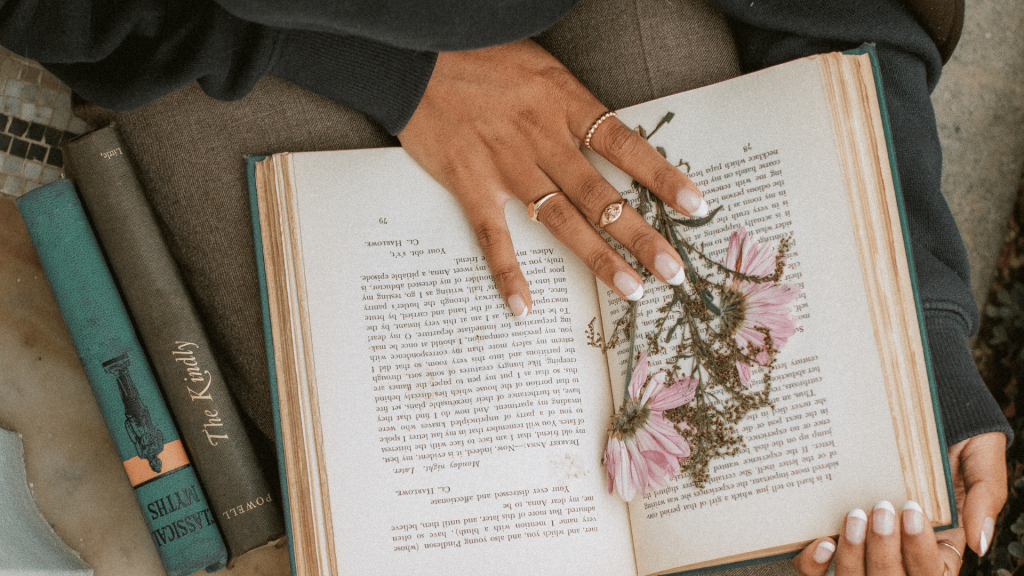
[180,520]
[247,509]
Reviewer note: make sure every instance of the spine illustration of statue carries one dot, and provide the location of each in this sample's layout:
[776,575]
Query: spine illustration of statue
[147,438]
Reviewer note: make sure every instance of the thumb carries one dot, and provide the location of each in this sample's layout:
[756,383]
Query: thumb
[982,464]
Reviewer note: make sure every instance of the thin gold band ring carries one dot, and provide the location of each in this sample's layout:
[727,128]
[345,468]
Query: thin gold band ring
[533,207]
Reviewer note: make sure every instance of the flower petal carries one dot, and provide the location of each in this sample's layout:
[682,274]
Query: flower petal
[653,386]
[639,376]
[745,373]
[611,461]
[637,471]
[661,432]
[674,396]
[624,480]
[660,469]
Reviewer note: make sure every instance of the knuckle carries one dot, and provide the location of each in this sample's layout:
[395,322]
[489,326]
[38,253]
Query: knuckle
[603,259]
[620,142]
[527,120]
[589,192]
[666,177]
[558,216]
[504,275]
[448,172]
[489,236]
[646,241]
[562,85]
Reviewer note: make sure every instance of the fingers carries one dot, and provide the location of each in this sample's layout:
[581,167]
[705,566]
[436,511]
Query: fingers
[592,194]
[635,156]
[882,544]
[981,464]
[950,546]
[921,554]
[885,542]
[492,233]
[870,544]
[850,552]
[570,227]
[815,558]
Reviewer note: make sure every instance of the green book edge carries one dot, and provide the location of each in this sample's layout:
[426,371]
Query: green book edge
[268,346]
[868,49]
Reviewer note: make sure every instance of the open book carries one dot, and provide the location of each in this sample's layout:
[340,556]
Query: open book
[425,430]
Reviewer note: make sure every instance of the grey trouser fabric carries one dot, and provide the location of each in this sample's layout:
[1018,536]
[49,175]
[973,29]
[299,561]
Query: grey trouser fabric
[188,150]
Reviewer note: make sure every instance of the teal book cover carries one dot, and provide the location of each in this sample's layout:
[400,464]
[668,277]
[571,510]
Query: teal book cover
[179,518]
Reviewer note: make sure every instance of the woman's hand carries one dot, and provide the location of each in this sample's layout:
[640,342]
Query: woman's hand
[507,122]
[884,542]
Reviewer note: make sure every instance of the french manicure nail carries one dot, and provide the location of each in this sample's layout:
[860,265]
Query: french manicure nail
[823,553]
[630,287]
[987,530]
[913,517]
[669,269]
[693,202]
[856,526]
[518,306]
[883,518]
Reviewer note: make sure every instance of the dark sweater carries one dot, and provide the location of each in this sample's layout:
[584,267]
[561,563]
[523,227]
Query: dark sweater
[377,57]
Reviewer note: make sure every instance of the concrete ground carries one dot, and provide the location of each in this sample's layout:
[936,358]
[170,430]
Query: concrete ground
[979,105]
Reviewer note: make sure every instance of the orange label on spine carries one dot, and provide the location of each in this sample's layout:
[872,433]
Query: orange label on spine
[171,458]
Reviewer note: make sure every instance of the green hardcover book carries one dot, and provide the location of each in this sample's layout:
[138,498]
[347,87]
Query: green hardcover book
[169,328]
[181,522]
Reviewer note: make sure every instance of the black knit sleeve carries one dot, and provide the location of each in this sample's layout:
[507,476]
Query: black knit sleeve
[124,54]
[381,81]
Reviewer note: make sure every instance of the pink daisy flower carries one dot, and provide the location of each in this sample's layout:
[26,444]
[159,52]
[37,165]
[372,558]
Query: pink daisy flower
[749,308]
[644,448]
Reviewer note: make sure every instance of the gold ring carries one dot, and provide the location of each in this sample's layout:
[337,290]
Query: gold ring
[611,213]
[533,207]
[946,571]
[953,548]
[593,128]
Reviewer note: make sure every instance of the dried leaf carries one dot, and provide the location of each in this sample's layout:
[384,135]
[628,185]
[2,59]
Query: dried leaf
[698,222]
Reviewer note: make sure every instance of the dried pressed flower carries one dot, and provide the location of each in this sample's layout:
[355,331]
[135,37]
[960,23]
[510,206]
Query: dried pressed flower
[758,315]
[645,449]
[728,318]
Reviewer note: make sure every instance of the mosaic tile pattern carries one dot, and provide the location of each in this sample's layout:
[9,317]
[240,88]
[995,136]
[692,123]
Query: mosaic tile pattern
[35,119]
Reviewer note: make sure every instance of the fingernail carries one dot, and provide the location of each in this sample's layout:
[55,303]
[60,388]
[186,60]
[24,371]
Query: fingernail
[856,526]
[987,530]
[669,269]
[823,553]
[913,517]
[883,518]
[693,202]
[518,306]
[630,287]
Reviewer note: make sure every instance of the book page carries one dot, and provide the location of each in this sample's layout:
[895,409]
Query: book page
[454,435]
[828,446]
